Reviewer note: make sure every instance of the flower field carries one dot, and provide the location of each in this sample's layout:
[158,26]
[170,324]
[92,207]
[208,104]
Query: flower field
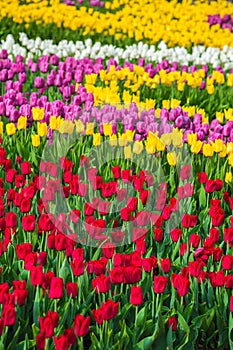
[116,187]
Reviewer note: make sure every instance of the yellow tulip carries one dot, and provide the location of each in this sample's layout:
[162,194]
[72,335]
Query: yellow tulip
[166,104]
[122,139]
[35,140]
[220,116]
[160,146]
[229,147]
[128,152]
[96,139]
[79,126]
[107,129]
[218,146]
[192,138]
[223,153]
[90,128]
[66,127]
[1,128]
[22,123]
[207,150]
[175,103]
[150,147]
[166,139]
[53,122]
[137,147]
[228,177]
[113,140]
[210,89]
[42,129]
[171,158]
[177,138]
[230,160]
[10,129]
[196,147]
[37,113]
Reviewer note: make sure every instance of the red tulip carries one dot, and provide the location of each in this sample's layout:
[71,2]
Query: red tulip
[136,296]
[81,325]
[56,288]
[110,309]
[172,322]
[160,284]
[9,315]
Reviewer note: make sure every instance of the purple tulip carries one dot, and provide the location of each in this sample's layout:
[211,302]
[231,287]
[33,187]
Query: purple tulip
[164,113]
[39,82]
[179,122]
[3,54]
[2,109]
[34,68]
[4,75]
[22,77]
[50,80]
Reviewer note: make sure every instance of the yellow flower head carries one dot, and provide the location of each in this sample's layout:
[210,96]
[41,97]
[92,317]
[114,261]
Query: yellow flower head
[96,139]
[128,152]
[137,147]
[230,160]
[196,147]
[122,139]
[220,116]
[218,146]
[42,129]
[113,140]
[10,129]
[107,129]
[79,126]
[37,113]
[207,150]
[210,89]
[229,147]
[192,138]
[53,123]
[1,128]
[35,140]
[177,138]
[171,158]
[228,177]
[166,139]
[89,128]
[66,127]
[166,104]
[22,123]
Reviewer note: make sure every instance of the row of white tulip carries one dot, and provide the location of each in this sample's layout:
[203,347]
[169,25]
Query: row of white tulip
[30,48]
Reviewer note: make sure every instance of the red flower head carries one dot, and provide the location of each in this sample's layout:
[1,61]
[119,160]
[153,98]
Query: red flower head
[172,322]
[101,283]
[98,315]
[160,283]
[56,288]
[136,296]
[9,315]
[110,309]
[29,222]
[81,325]
[25,168]
[61,342]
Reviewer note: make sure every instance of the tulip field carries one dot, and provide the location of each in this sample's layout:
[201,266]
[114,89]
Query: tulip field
[116,179]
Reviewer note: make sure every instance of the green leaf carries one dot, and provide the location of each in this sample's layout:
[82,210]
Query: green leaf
[36,307]
[141,318]
[182,323]
[202,198]
[230,335]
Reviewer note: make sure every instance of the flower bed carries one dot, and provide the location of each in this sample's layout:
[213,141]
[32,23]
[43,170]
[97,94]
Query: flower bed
[116,176]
